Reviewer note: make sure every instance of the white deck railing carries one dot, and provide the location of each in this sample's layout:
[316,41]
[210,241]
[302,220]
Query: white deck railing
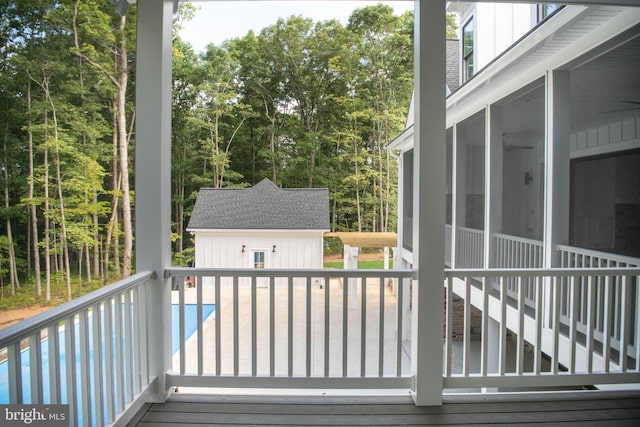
[572,257]
[470,248]
[90,353]
[292,329]
[578,354]
[518,252]
[322,329]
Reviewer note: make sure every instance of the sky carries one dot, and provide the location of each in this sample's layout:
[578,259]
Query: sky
[217,21]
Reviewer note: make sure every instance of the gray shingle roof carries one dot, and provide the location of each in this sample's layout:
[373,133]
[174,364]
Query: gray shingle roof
[261,207]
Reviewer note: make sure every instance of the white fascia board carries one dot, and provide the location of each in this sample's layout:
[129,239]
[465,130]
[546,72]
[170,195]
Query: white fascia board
[259,230]
[402,142]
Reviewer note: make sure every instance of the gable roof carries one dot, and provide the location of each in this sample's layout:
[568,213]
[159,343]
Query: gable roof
[261,207]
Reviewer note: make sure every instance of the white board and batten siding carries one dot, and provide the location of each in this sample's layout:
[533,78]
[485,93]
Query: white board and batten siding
[293,249]
[260,227]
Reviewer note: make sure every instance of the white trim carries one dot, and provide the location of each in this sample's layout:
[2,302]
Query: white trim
[257,230]
[616,147]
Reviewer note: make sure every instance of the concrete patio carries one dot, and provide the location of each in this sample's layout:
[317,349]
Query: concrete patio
[224,313]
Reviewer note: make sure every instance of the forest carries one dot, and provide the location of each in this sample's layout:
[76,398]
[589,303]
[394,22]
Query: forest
[303,103]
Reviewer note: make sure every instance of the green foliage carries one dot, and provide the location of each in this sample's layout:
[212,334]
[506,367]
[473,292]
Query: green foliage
[26,297]
[303,103]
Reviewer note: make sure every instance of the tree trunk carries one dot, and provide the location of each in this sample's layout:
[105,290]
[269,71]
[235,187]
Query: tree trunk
[96,239]
[63,222]
[32,205]
[124,149]
[180,211]
[47,224]
[13,272]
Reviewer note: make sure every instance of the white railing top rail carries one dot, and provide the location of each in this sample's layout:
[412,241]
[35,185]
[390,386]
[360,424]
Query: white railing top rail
[599,254]
[471,230]
[541,272]
[517,239]
[27,327]
[291,272]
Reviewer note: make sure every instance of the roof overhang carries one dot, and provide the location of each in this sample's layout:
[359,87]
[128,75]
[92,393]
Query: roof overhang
[556,44]
[403,142]
[257,230]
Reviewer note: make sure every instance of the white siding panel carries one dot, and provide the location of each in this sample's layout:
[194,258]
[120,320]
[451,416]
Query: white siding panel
[628,129]
[582,140]
[223,249]
[616,132]
[592,138]
[608,138]
[603,135]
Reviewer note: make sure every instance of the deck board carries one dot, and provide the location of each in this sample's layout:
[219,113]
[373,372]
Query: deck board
[599,409]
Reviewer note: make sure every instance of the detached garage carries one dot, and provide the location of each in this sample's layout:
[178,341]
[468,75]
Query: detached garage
[260,227]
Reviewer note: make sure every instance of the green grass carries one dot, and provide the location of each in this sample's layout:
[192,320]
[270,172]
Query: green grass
[26,296]
[362,265]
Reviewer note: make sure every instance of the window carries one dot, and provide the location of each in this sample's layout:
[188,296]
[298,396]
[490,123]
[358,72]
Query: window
[467,50]
[544,10]
[258,259]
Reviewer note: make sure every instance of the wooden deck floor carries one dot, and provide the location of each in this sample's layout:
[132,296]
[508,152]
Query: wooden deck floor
[590,409]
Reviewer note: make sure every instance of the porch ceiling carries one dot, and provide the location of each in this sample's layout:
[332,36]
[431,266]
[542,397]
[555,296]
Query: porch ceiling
[605,87]
[366,240]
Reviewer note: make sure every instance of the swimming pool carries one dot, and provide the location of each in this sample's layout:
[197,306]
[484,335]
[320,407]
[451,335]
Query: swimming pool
[190,325]
[190,321]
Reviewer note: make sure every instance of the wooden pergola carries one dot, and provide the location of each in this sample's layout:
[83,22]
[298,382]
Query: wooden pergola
[353,241]
[366,239]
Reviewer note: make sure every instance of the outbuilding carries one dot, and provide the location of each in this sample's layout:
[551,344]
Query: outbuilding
[263,226]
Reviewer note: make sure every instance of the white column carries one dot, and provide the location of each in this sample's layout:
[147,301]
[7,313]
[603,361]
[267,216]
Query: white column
[353,282]
[385,250]
[556,180]
[459,186]
[153,185]
[493,349]
[556,164]
[346,256]
[493,181]
[429,202]
[454,194]
[400,209]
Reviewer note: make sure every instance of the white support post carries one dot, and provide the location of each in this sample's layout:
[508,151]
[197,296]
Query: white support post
[385,251]
[493,349]
[429,202]
[153,185]
[346,256]
[557,176]
[459,184]
[353,282]
[454,194]
[493,181]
